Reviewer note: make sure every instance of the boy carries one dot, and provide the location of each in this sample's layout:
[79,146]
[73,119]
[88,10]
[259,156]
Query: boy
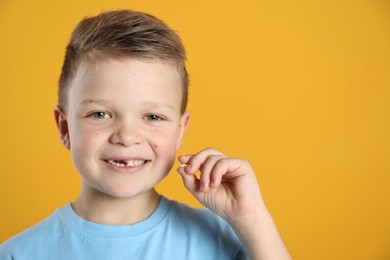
[122,114]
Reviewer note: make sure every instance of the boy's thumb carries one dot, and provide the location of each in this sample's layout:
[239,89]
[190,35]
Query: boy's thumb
[190,181]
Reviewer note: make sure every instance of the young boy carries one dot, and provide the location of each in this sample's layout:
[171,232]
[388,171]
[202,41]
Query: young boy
[122,114]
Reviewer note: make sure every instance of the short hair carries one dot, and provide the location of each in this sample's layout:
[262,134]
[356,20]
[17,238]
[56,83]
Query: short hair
[122,34]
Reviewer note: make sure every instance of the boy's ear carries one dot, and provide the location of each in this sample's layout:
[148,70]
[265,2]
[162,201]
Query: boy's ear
[62,126]
[184,122]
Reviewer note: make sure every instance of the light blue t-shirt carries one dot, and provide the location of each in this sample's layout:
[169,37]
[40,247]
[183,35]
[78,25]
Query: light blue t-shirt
[173,231]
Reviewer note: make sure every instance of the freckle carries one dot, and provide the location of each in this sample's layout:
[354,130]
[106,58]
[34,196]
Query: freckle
[155,146]
[96,133]
[116,125]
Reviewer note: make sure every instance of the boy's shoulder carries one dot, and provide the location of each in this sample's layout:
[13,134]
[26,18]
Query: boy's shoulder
[199,222]
[200,228]
[181,212]
[42,231]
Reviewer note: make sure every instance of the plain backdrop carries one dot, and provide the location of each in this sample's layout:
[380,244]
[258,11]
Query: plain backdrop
[298,88]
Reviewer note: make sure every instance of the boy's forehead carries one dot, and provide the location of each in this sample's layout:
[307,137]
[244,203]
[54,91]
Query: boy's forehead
[104,74]
[91,68]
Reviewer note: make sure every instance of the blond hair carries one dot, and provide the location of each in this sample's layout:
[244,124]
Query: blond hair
[122,34]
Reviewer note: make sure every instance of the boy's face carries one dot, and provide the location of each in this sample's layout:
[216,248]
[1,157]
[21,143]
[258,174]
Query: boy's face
[123,124]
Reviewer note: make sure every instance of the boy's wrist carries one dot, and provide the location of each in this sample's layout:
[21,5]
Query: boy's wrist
[259,235]
[259,216]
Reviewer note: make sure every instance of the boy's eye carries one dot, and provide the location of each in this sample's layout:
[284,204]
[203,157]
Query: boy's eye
[153,118]
[100,115]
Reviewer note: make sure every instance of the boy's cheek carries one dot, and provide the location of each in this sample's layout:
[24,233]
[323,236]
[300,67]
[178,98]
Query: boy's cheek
[83,140]
[165,146]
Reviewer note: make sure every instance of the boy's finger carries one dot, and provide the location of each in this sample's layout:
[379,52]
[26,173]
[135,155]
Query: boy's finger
[216,176]
[231,168]
[207,171]
[228,169]
[197,160]
[184,158]
[221,168]
[190,181]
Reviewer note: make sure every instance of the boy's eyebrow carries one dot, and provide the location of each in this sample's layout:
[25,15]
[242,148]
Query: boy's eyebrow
[157,105]
[146,104]
[89,100]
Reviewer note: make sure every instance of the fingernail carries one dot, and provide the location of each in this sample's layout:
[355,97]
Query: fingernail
[183,165]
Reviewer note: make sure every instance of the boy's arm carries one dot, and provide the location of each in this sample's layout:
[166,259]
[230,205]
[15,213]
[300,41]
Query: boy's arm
[228,187]
[260,237]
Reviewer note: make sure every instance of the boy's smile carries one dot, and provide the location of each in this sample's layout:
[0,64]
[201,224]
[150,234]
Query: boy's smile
[123,124]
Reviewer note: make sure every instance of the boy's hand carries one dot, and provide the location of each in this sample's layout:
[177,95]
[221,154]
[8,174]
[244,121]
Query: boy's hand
[226,186]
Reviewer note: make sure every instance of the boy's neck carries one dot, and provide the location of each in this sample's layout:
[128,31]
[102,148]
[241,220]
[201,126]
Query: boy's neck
[102,209]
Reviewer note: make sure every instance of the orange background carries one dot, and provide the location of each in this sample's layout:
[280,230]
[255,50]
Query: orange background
[298,88]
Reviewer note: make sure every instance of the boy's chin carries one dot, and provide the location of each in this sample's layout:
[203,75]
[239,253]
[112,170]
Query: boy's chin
[129,194]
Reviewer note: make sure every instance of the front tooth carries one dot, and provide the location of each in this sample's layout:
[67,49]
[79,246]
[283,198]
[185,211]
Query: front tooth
[130,163]
[135,163]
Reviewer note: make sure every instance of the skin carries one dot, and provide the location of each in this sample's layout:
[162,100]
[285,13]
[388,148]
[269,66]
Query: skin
[129,109]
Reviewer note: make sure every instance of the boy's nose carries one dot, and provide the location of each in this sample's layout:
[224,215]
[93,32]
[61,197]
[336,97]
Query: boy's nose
[126,135]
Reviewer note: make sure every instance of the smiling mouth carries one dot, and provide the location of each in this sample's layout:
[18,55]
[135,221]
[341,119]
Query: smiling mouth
[127,164]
